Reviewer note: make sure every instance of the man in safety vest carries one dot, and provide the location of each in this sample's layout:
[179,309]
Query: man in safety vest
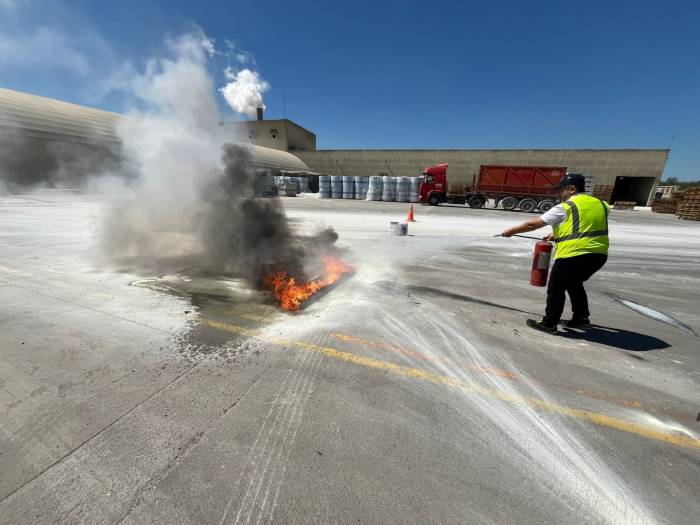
[580,231]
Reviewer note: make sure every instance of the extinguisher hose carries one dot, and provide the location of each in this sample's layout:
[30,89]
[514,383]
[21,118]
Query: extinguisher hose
[522,236]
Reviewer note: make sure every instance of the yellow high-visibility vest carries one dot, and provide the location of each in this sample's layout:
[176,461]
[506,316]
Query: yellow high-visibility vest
[585,229]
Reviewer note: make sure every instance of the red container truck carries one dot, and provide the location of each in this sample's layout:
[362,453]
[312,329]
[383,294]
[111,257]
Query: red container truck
[527,188]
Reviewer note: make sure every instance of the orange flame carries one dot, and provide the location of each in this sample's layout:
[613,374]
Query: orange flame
[290,294]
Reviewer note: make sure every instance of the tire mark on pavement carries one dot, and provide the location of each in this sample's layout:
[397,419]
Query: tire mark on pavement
[286,458]
[596,418]
[254,449]
[280,465]
[273,441]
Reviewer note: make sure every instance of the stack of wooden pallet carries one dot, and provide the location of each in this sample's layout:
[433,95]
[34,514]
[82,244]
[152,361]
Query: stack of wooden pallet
[624,205]
[664,205]
[603,192]
[689,206]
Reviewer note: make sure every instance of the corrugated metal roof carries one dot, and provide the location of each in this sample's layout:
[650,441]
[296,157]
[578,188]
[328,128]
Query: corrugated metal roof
[274,159]
[49,119]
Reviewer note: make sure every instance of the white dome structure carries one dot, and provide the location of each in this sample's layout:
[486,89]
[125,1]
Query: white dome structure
[48,141]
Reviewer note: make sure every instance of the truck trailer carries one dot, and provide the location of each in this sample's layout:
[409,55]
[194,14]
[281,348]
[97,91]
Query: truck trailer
[527,188]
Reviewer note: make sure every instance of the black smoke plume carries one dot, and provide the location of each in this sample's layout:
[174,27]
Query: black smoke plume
[224,229]
[248,235]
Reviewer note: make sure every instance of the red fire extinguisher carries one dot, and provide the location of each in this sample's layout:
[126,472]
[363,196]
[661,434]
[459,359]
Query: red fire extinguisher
[540,263]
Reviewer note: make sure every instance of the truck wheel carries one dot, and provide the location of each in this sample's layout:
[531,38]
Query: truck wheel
[476,202]
[545,206]
[527,205]
[509,203]
[434,200]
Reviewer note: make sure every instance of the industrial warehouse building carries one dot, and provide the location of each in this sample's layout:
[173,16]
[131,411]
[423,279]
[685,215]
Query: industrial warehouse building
[634,173]
[40,135]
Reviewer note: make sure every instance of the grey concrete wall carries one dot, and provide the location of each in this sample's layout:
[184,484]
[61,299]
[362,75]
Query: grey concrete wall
[604,164]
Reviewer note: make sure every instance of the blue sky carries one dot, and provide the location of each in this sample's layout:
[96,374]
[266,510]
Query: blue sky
[509,74]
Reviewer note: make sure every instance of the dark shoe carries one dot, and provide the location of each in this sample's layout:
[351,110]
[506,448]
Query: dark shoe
[539,325]
[580,324]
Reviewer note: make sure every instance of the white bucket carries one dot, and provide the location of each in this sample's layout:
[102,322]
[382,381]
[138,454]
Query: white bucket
[398,228]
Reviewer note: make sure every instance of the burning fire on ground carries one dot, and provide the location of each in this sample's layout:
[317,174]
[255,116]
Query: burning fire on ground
[290,294]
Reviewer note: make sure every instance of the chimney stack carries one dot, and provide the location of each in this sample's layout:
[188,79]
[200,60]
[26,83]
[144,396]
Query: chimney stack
[260,113]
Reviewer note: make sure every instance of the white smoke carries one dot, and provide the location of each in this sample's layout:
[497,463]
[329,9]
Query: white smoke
[178,88]
[244,91]
[191,206]
[174,142]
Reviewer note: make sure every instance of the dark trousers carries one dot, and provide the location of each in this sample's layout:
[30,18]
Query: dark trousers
[568,276]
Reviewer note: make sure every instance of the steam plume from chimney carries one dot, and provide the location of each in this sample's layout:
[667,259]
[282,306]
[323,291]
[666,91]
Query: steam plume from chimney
[244,91]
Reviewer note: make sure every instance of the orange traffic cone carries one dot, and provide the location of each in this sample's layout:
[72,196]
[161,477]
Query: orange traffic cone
[410,214]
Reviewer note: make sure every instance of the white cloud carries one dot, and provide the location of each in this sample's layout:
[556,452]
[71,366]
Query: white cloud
[42,48]
[41,38]
[208,45]
[236,54]
[37,43]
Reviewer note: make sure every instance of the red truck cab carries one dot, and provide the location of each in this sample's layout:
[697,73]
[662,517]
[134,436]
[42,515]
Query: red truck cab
[434,183]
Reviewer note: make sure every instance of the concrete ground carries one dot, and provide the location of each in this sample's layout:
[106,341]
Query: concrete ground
[411,392]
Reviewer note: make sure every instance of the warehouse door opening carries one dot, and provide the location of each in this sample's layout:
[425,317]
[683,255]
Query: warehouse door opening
[633,189]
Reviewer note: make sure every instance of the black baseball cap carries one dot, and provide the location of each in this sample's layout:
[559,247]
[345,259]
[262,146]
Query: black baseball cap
[572,179]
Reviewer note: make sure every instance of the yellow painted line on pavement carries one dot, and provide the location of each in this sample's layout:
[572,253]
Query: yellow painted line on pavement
[232,328]
[423,357]
[431,377]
